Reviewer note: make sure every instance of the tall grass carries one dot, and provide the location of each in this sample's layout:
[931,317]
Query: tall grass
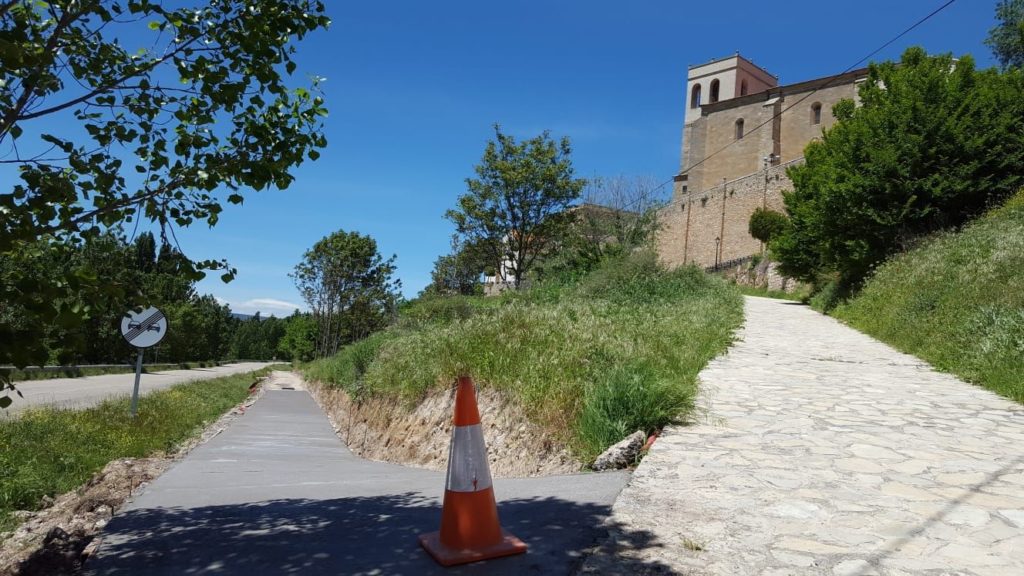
[590,361]
[957,302]
[48,451]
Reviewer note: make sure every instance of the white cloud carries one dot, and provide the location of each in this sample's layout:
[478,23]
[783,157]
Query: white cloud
[265,306]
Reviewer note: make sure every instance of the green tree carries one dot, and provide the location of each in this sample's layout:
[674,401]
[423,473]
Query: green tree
[269,340]
[349,288]
[766,224]
[932,144]
[98,339]
[245,339]
[458,272]
[198,329]
[1007,38]
[170,280]
[516,209]
[257,338]
[617,216]
[152,111]
[299,340]
[144,249]
[82,330]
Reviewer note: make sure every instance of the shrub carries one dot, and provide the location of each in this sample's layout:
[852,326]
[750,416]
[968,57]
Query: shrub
[628,398]
[955,301]
[444,309]
[933,144]
[766,224]
[348,367]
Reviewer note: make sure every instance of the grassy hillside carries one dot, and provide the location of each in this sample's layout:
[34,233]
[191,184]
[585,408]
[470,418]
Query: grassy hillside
[590,360]
[957,302]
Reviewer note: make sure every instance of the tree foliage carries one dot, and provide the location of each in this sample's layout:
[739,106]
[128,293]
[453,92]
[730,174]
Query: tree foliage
[1006,39]
[766,224]
[932,144]
[348,287]
[116,111]
[200,327]
[257,338]
[516,209]
[458,272]
[299,340]
[618,215]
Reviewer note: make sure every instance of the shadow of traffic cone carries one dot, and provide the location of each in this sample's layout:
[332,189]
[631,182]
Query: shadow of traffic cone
[469,519]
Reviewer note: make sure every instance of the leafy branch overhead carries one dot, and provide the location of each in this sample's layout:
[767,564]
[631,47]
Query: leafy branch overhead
[200,105]
[117,111]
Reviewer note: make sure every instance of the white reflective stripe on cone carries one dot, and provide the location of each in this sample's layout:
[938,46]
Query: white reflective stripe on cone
[467,460]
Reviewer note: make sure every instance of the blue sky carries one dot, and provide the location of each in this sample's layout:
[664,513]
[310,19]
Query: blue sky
[413,89]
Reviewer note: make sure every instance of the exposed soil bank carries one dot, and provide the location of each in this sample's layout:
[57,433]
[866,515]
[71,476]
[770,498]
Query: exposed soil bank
[386,430]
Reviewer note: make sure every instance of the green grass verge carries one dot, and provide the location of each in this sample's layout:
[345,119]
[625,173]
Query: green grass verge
[590,360]
[80,371]
[49,451]
[956,301]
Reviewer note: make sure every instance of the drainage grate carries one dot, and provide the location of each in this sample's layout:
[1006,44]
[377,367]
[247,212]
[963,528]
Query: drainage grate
[287,388]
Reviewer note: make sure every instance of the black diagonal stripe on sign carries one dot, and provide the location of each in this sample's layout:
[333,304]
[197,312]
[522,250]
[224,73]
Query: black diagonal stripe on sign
[144,325]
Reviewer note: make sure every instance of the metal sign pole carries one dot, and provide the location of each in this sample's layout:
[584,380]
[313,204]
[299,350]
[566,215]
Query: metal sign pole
[142,330]
[135,391]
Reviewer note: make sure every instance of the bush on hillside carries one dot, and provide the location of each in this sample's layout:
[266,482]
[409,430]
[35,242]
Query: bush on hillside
[766,224]
[932,145]
[628,398]
[348,367]
[443,309]
[622,345]
[955,301]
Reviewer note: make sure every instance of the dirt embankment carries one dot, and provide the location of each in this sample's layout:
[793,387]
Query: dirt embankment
[385,430]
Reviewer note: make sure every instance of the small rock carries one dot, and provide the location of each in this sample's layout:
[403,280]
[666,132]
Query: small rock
[854,568]
[45,502]
[622,454]
[55,533]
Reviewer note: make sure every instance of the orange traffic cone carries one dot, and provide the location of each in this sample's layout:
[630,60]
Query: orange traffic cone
[469,519]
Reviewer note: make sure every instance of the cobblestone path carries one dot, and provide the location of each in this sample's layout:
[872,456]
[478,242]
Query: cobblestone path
[819,450]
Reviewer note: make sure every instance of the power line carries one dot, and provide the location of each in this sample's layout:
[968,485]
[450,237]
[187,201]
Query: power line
[824,85]
[832,79]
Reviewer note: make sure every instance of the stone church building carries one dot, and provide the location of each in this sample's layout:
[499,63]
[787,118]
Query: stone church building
[729,166]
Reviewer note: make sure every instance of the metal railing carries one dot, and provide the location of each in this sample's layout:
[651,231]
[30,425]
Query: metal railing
[728,264]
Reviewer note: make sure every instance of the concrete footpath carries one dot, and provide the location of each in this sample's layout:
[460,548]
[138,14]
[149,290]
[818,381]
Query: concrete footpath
[89,391]
[279,493]
[821,451]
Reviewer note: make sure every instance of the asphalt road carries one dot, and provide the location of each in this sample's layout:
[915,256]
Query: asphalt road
[91,390]
[279,493]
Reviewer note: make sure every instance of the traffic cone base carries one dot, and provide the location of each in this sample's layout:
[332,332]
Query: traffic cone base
[508,545]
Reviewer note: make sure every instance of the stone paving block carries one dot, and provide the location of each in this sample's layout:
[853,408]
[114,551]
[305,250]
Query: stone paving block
[817,450]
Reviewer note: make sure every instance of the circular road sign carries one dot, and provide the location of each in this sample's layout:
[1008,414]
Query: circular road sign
[144,329]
